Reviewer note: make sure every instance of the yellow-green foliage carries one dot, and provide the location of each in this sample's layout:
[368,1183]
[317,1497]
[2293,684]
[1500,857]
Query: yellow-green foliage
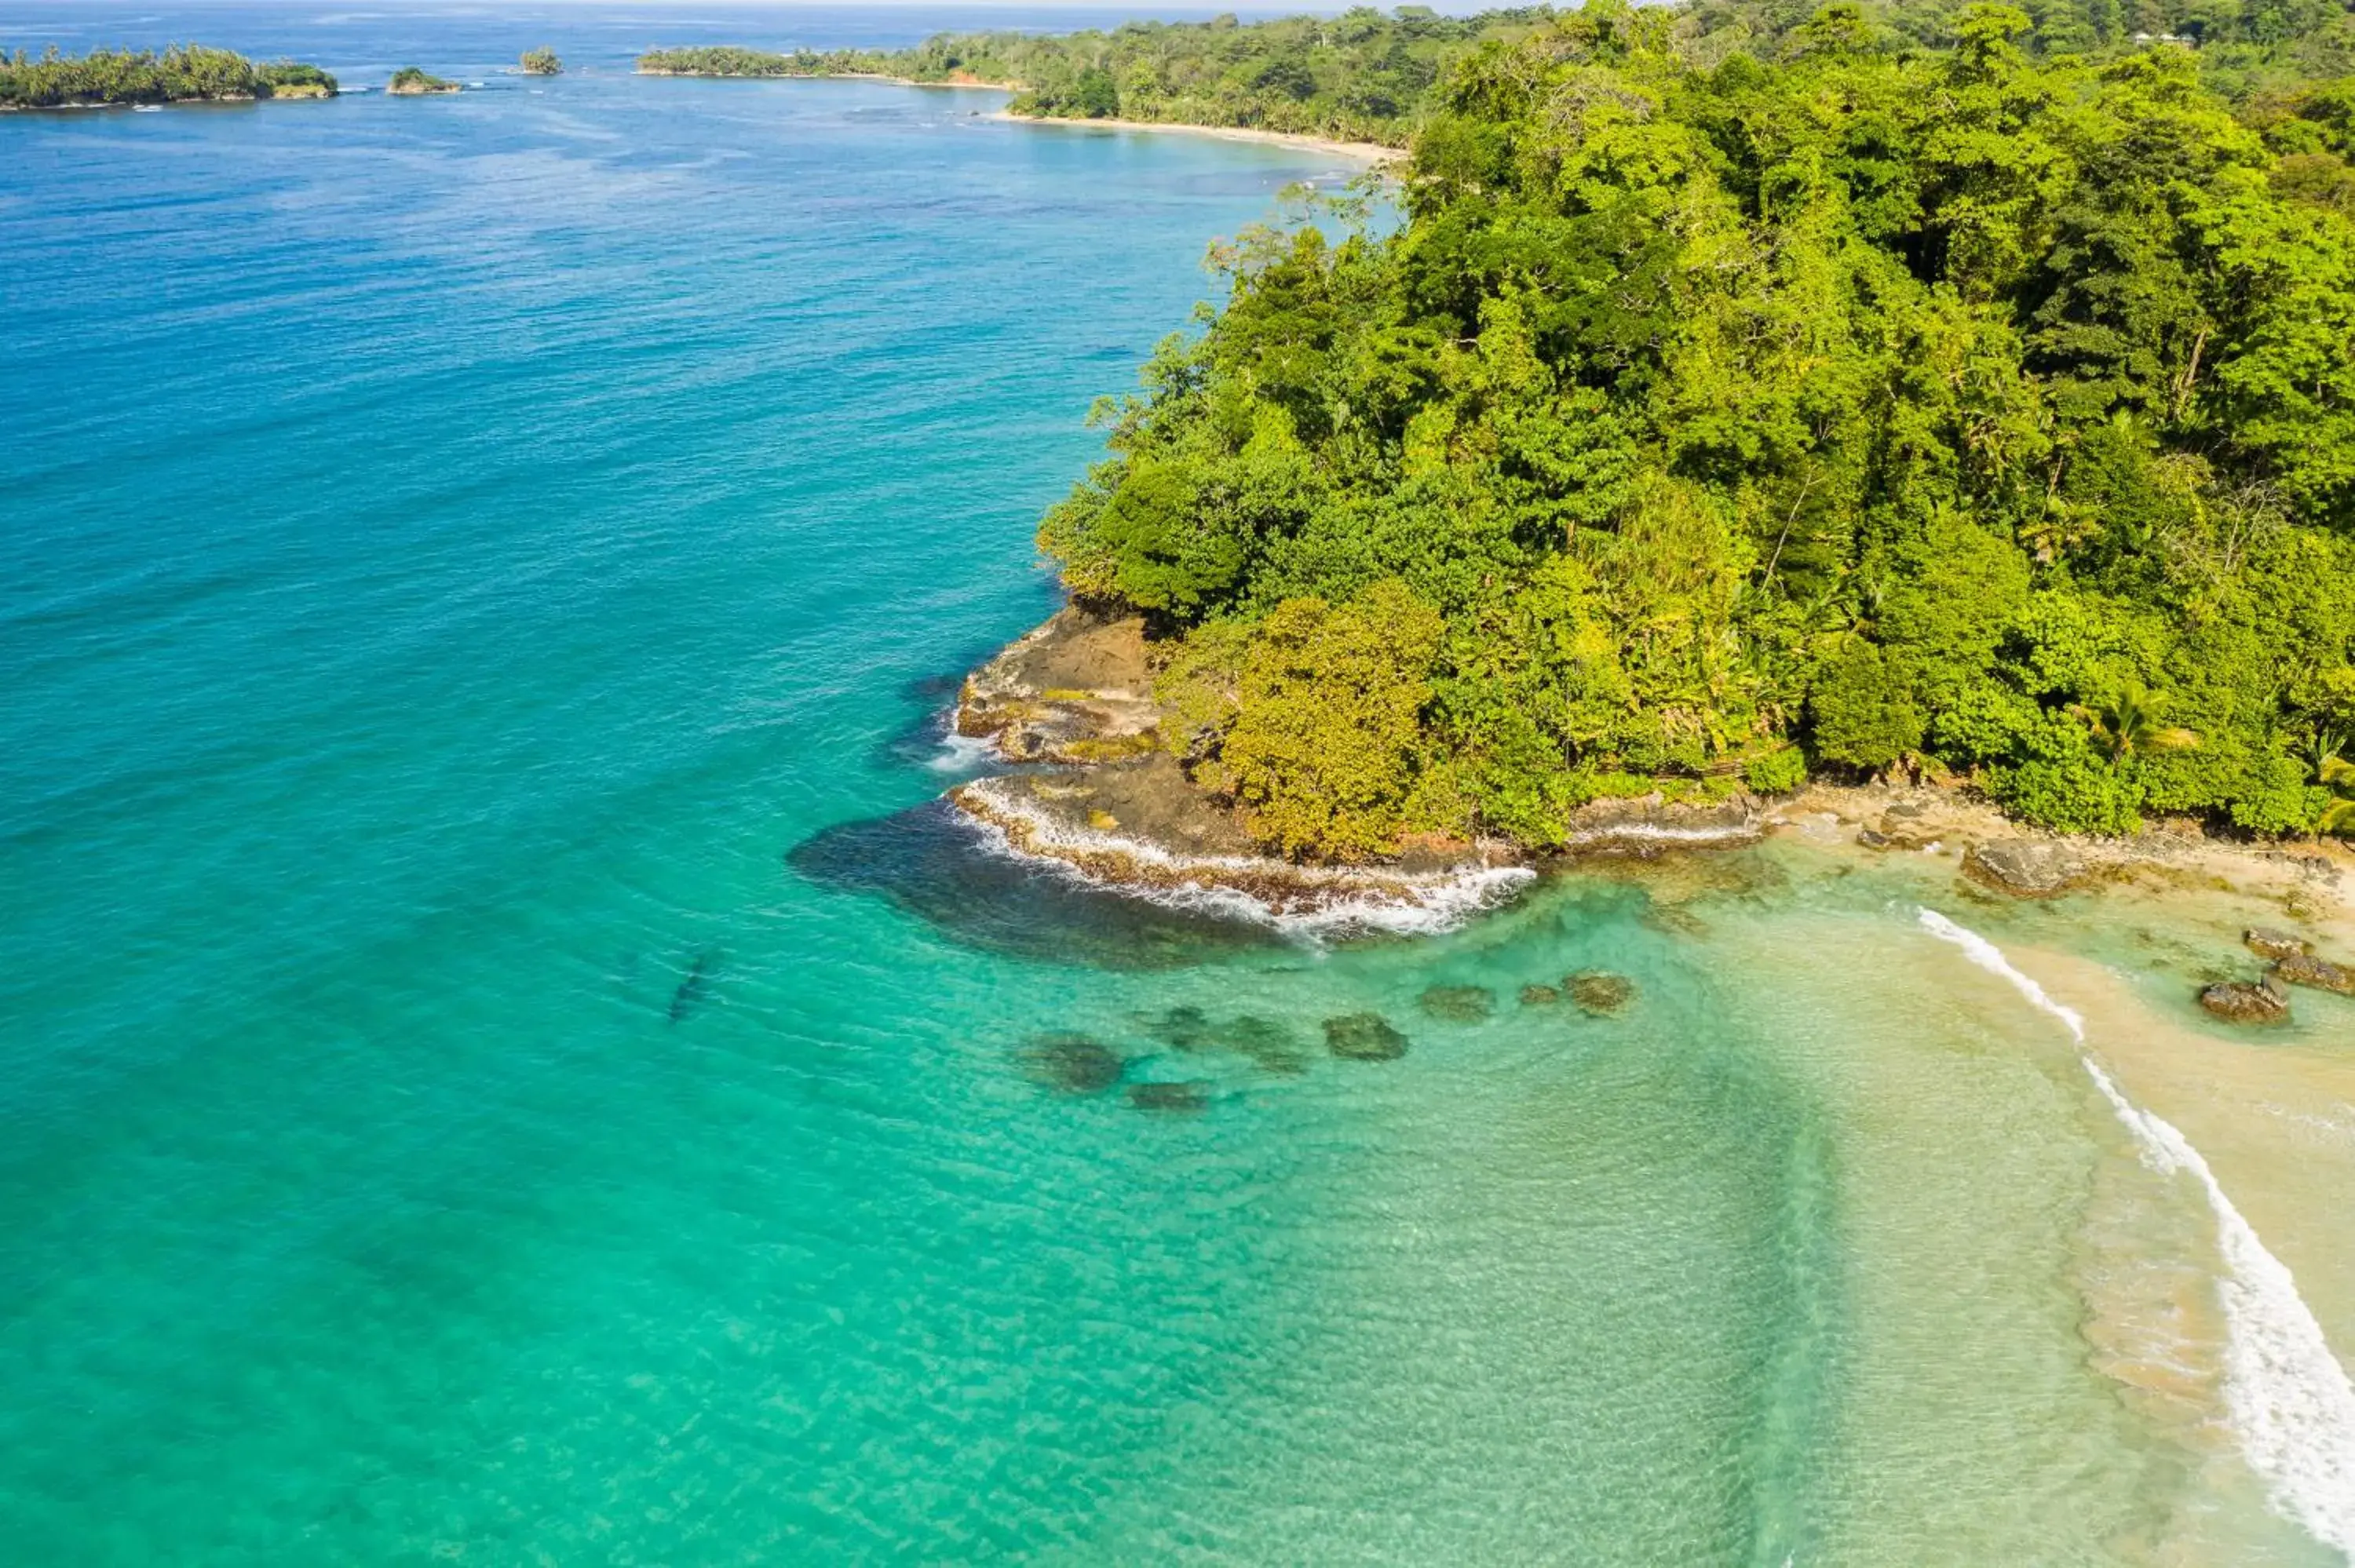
[1328,729]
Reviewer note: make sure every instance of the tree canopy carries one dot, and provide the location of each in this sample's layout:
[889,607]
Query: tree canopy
[183,73]
[1874,404]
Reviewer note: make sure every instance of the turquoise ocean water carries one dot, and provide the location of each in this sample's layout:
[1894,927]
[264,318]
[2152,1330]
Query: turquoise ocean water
[498,1062]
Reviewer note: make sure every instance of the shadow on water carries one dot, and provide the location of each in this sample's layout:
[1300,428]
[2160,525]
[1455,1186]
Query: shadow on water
[930,862]
[695,990]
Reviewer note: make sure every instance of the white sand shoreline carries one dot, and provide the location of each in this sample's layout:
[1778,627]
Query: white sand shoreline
[1369,152]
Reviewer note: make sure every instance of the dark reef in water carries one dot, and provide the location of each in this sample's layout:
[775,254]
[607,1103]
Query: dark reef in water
[1074,1063]
[1459,1003]
[933,861]
[1364,1037]
[1167,1097]
[1271,1046]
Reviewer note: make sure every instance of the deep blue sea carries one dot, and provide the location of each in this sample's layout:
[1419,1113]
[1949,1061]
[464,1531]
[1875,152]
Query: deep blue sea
[502,1062]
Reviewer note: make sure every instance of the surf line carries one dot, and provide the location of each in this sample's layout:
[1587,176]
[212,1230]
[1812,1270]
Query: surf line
[2292,1406]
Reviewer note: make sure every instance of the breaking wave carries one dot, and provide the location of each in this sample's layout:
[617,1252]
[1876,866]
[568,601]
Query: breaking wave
[2292,1406]
[1308,901]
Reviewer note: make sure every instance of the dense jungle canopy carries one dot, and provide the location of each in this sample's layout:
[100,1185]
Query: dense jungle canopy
[1872,396]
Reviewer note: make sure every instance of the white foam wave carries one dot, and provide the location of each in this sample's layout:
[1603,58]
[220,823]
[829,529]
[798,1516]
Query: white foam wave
[1403,902]
[2292,1406]
[961,752]
[1989,956]
[1660,833]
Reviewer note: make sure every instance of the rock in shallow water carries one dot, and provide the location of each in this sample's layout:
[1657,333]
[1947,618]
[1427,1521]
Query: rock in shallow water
[1168,1099]
[2025,868]
[1072,1064]
[2239,1003]
[1600,992]
[2268,943]
[1459,1003]
[2304,969]
[1364,1037]
[1539,996]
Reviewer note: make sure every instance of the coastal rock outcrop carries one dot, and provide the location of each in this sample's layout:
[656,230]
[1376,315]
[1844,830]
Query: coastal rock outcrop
[2027,868]
[2239,1003]
[1075,696]
[1077,689]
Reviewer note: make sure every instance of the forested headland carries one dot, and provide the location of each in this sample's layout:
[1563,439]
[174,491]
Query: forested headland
[1861,396]
[1363,75]
[182,74]
[1368,75]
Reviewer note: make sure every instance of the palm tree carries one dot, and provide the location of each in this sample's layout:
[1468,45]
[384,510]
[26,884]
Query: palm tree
[2127,726]
[2339,817]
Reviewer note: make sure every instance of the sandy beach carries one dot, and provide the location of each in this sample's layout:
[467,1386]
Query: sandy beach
[1369,151]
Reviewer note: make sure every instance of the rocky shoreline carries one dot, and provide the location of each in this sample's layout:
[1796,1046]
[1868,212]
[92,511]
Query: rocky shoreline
[1071,706]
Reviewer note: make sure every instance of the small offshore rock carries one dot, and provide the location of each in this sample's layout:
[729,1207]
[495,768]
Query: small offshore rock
[1600,992]
[1459,1003]
[2242,1003]
[1364,1037]
[1539,996]
[1872,840]
[2025,868]
[2304,969]
[1074,1063]
[2268,943]
[1168,1099]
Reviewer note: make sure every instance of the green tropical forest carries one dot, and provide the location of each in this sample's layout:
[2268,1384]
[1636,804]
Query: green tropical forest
[1361,76]
[1878,393]
[183,73]
[1373,76]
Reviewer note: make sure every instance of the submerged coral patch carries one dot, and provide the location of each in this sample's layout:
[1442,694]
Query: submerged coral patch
[1364,1037]
[1072,1064]
[1600,992]
[1458,1004]
[1168,1099]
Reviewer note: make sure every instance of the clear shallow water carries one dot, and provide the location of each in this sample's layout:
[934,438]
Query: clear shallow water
[487,1071]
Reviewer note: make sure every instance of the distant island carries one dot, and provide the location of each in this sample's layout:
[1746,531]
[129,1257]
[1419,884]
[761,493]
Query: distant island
[409,81]
[185,73]
[541,62]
